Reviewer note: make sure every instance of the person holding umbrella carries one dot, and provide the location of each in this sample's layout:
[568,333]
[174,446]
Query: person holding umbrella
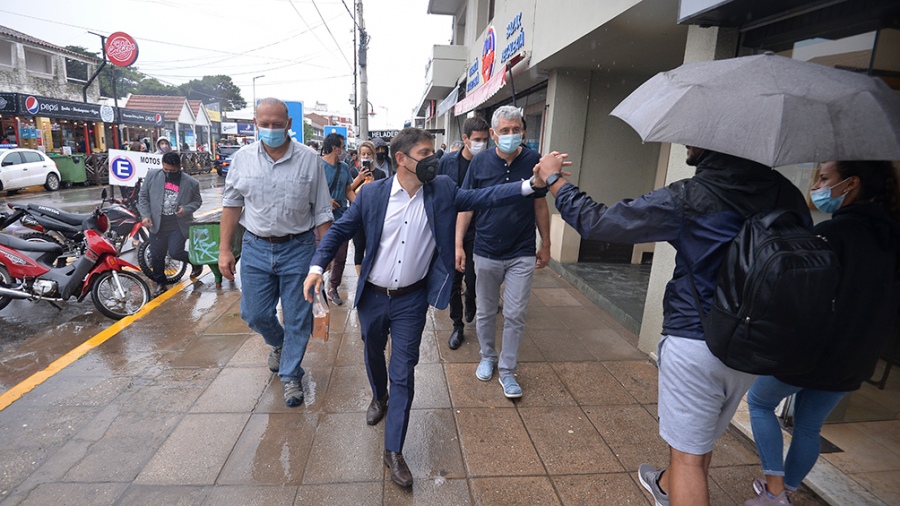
[865,233]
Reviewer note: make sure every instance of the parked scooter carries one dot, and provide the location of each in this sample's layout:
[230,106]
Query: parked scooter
[27,272]
[67,229]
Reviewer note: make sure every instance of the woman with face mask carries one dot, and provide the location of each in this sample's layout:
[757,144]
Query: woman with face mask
[371,172]
[864,231]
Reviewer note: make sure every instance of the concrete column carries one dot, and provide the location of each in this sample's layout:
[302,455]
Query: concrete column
[568,95]
[703,44]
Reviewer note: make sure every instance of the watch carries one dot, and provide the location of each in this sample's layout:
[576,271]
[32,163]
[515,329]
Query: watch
[552,179]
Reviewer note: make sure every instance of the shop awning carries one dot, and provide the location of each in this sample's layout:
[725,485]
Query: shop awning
[47,107]
[489,88]
[448,102]
[137,117]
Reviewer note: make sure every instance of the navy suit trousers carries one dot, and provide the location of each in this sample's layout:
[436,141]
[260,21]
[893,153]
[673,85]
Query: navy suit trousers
[404,317]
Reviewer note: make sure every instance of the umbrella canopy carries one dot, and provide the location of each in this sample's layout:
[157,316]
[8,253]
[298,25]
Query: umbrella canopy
[770,109]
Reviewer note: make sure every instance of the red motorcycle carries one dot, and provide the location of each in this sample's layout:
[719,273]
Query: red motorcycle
[27,272]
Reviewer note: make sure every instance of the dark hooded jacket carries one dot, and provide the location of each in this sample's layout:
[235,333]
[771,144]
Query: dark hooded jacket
[384,166]
[866,239]
[698,219]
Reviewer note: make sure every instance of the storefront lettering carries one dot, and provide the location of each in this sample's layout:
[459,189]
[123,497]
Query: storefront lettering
[517,43]
[514,25]
[152,160]
[473,82]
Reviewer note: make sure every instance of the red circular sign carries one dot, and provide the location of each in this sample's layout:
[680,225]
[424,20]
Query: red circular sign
[121,49]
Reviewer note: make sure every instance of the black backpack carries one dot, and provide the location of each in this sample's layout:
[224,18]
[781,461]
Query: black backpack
[772,309]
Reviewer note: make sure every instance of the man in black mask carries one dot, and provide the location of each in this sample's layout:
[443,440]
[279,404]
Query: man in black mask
[382,160]
[409,221]
[167,201]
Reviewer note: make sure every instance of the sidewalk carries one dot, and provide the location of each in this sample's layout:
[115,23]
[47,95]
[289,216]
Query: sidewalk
[179,408]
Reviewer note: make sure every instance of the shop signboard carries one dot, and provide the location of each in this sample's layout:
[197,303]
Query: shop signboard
[64,109]
[8,102]
[121,49]
[246,129]
[229,128]
[137,117]
[508,35]
[126,167]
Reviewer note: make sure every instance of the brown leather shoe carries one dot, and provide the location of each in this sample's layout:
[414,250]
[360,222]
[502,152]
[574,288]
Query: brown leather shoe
[399,470]
[376,410]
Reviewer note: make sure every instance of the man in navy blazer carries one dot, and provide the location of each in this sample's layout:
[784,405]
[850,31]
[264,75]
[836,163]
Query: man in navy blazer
[409,221]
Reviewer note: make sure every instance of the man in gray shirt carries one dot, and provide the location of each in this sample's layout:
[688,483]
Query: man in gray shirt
[277,190]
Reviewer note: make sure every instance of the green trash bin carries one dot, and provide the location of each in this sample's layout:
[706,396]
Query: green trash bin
[203,246]
[71,168]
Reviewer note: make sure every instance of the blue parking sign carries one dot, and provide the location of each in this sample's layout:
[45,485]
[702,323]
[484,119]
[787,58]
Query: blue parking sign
[122,168]
[341,130]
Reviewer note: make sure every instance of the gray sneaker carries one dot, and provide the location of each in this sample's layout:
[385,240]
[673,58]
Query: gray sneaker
[766,499]
[648,475]
[293,393]
[274,361]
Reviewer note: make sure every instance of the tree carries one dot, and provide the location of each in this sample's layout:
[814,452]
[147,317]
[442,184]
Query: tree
[308,132]
[129,78]
[219,88]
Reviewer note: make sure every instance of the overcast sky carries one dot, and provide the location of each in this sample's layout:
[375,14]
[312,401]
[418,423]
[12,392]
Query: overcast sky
[285,40]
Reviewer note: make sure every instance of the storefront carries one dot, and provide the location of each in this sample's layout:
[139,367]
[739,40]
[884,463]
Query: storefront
[54,125]
[138,125]
[9,137]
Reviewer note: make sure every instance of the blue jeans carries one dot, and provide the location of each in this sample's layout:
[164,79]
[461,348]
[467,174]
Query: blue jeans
[810,409]
[171,241]
[269,272]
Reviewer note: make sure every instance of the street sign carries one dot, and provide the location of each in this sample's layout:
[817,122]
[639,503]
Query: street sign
[295,112]
[126,167]
[340,130]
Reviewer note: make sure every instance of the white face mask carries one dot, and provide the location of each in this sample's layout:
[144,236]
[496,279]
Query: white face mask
[477,147]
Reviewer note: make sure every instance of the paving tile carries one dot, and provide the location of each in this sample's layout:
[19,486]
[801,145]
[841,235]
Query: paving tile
[156,495]
[27,427]
[235,390]
[591,384]
[321,353]
[173,391]
[74,494]
[545,279]
[345,450]
[555,297]
[599,489]
[607,345]
[468,352]
[428,348]
[883,484]
[576,318]
[543,318]
[430,387]
[540,386]
[429,491]
[528,351]
[631,432]
[733,449]
[885,432]
[351,352]
[315,389]
[339,317]
[19,463]
[77,390]
[432,448]
[230,323]
[533,490]
[52,468]
[861,453]
[209,350]
[195,452]
[567,442]
[495,443]
[467,391]
[640,378]
[251,496]
[253,353]
[560,346]
[127,444]
[272,450]
[349,390]
[341,493]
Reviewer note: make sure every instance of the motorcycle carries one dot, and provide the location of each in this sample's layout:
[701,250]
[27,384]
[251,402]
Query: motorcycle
[67,229]
[27,271]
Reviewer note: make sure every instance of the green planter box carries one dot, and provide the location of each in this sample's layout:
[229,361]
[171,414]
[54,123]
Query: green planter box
[203,246]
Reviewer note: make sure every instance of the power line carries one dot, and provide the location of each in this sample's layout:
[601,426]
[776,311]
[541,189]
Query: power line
[332,35]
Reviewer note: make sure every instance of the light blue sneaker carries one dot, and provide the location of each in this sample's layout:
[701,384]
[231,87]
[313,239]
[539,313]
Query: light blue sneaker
[649,478]
[485,370]
[511,388]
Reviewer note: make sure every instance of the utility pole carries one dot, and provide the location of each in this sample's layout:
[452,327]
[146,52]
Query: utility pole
[355,75]
[363,75]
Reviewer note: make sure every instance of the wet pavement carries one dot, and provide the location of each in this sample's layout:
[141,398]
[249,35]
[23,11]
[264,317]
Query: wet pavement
[180,408]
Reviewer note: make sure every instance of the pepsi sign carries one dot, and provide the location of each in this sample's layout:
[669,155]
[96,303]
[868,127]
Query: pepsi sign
[32,106]
[159,119]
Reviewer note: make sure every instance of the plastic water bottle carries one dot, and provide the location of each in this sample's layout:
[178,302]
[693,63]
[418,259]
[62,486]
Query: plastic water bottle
[321,316]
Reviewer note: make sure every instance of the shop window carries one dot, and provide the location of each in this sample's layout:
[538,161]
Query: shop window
[6,53]
[38,62]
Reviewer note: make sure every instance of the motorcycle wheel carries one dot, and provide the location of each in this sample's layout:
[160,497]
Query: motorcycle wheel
[5,280]
[39,237]
[115,304]
[175,269]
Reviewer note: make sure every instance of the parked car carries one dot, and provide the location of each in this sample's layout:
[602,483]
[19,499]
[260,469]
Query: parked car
[21,168]
[223,158]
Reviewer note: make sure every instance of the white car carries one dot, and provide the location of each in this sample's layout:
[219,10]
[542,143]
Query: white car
[20,168]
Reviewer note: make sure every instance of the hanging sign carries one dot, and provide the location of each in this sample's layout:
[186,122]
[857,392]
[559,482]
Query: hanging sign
[121,49]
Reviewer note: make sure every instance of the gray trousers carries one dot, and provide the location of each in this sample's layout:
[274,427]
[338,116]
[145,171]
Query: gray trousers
[516,273]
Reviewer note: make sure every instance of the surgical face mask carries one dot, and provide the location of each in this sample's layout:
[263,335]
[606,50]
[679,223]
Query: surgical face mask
[426,168]
[509,143]
[272,137]
[823,200]
[380,156]
[165,147]
[476,147]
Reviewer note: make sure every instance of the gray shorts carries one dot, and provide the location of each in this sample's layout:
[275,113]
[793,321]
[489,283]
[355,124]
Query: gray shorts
[698,394]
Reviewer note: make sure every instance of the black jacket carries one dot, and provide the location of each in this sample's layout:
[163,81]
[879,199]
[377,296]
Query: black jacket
[700,225]
[866,239]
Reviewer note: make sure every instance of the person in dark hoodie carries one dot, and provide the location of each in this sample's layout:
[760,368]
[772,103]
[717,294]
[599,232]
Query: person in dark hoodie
[698,394]
[382,156]
[865,233]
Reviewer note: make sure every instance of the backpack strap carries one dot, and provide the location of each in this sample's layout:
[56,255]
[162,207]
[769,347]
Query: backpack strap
[337,177]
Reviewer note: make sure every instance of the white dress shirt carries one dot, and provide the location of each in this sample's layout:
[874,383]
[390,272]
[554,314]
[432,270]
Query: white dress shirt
[407,244]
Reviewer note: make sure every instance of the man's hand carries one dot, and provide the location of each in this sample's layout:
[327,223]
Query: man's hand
[335,204]
[227,264]
[147,222]
[543,257]
[313,281]
[460,259]
[550,163]
[179,212]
